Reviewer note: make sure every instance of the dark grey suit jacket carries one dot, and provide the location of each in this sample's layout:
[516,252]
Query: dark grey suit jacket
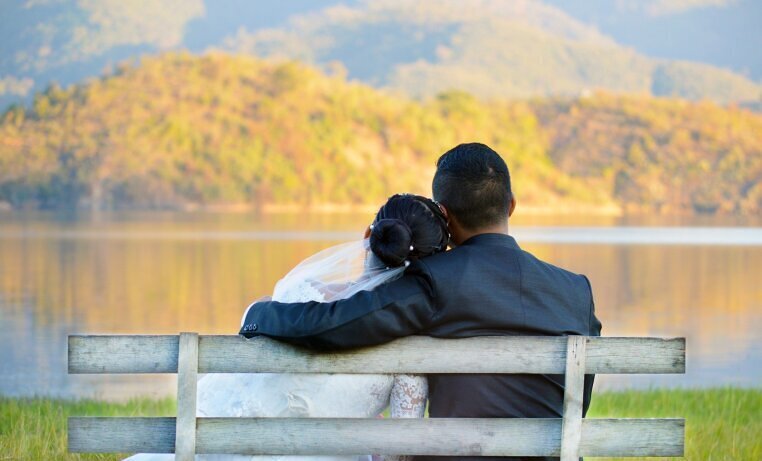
[486,286]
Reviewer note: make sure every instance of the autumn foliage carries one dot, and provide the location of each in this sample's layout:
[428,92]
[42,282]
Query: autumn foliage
[177,130]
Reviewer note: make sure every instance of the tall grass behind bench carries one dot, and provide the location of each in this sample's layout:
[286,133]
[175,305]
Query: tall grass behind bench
[35,429]
[720,424]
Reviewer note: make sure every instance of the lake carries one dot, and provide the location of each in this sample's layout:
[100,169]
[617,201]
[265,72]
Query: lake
[164,272]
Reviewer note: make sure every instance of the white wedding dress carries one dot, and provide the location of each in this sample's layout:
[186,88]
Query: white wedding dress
[311,395]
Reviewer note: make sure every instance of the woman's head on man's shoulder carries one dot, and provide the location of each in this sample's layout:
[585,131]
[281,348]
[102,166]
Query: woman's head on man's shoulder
[472,195]
[407,227]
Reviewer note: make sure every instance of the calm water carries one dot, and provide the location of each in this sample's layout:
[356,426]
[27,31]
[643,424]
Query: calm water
[165,272]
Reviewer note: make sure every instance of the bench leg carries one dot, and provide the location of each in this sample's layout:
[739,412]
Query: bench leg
[187,374]
[571,427]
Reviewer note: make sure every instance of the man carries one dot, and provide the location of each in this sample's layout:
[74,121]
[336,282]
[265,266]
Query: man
[485,285]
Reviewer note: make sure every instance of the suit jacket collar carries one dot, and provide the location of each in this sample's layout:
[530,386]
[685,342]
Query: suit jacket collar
[493,240]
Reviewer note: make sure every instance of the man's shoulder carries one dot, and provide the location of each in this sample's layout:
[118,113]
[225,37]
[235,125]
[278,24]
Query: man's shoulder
[526,264]
[538,273]
[444,259]
[534,260]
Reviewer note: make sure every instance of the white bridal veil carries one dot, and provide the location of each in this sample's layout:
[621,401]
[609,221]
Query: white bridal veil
[335,273]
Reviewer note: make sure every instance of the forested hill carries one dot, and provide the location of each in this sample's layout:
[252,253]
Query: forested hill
[178,130]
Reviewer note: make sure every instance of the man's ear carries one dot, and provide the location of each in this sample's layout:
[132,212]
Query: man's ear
[454,227]
[367,233]
[512,206]
[444,211]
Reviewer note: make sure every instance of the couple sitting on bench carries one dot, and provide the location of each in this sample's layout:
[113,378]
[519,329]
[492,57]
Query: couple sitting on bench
[399,280]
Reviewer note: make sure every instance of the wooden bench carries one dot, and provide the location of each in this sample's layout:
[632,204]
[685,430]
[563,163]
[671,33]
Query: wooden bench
[189,354]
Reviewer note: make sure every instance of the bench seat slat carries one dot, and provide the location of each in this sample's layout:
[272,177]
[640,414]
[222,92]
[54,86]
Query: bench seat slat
[336,436]
[416,354]
[121,435]
[123,354]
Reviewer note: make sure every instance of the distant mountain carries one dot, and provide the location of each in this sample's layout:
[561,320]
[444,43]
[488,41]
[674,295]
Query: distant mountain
[490,48]
[179,130]
[724,33]
[65,41]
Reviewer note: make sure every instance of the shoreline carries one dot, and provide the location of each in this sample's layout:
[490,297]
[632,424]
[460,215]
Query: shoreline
[609,210]
[327,209]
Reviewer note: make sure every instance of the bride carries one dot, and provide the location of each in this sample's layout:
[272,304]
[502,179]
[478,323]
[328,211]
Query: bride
[406,227]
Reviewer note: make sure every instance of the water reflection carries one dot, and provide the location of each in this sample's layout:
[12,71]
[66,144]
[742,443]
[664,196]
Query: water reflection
[52,285]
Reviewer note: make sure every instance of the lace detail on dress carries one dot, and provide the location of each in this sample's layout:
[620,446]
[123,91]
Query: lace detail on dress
[299,292]
[408,396]
[407,400]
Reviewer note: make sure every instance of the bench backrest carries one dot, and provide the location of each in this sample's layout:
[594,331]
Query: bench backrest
[189,354]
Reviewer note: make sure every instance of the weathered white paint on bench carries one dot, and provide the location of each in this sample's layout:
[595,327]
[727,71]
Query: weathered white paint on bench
[574,386]
[417,354]
[329,436]
[189,354]
[120,435]
[187,379]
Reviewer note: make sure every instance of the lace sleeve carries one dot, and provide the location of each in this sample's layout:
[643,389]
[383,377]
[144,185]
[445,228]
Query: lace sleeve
[408,397]
[407,400]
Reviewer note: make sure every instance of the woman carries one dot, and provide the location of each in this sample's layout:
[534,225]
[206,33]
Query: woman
[407,227]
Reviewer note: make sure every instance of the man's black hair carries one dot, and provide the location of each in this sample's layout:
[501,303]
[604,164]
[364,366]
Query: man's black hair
[473,183]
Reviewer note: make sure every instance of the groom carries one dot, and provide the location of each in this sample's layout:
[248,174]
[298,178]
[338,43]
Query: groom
[486,285]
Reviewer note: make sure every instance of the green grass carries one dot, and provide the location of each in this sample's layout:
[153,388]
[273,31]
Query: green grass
[722,424]
[35,429]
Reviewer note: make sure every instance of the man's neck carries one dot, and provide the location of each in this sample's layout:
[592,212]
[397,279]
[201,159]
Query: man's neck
[464,234]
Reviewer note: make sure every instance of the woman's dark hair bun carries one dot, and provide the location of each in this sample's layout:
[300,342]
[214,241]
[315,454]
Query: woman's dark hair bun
[390,241]
[408,227]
